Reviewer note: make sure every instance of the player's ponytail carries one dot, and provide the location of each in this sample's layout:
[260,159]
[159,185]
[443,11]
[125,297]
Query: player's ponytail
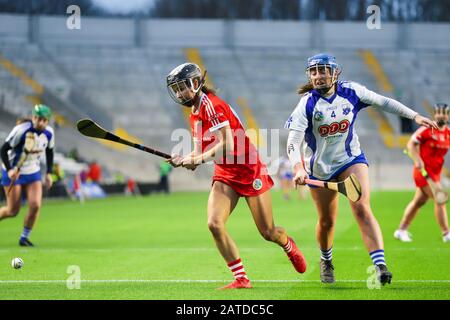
[305,88]
[206,89]
[23,120]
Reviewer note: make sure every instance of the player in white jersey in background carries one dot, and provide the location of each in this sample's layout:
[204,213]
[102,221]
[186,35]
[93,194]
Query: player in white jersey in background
[29,175]
[285,176]
[324,118]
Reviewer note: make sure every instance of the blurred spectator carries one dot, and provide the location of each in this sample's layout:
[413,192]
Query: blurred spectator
[164,170]
[285,175]
[58,174]
[59,179]
[119,177]
[132,188]
[83,176]
[95,172]
[73,153]
[77,190]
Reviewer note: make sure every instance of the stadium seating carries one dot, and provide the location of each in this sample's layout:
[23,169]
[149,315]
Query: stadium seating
[128,84]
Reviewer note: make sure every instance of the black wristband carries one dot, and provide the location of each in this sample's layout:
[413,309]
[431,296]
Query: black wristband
[4,155]
[49,158]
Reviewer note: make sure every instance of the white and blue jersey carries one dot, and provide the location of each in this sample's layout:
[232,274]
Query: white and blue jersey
[328,123]
[284,169]
[16,139]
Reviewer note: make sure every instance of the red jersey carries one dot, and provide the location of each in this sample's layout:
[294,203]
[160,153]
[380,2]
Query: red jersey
[434,145]
[241,168]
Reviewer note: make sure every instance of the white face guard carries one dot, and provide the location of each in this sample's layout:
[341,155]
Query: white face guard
[321,69]
[442,109]
[441,114]
[182,91]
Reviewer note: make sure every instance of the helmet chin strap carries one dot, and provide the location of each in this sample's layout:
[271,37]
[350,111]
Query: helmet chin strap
[191,102]
[197,93]
[325,90]
[202,83]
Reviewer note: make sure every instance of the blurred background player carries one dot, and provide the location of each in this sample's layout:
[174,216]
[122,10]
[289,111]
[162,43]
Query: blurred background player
[324,118]
[285,176]
[239,171]
[29,176]
[94,173]
[132,188]
[58,174]
[428,148]
[164,171]
[59,178]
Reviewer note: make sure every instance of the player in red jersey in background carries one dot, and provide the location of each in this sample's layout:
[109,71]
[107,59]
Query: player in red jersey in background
[428,148]
[219,135]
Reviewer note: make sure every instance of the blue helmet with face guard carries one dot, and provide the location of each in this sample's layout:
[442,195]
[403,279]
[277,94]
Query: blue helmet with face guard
[323,60]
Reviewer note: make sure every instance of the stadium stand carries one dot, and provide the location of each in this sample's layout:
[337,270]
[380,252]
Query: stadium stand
[122,86]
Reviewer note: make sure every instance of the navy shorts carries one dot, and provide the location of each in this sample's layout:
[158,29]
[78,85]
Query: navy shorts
[23,178]
[359,159]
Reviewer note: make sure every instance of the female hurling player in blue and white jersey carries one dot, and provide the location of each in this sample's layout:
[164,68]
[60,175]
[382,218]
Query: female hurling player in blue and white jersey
[29,175]
[324,118]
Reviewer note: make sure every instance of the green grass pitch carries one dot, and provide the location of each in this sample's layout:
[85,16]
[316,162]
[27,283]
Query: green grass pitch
[159,247]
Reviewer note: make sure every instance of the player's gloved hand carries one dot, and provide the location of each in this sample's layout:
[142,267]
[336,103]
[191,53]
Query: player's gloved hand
[300,174]
[175,160]
[13,173]
[422,121]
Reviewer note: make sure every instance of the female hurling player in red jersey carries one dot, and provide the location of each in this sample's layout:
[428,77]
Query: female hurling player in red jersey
[220,137]
[428,148]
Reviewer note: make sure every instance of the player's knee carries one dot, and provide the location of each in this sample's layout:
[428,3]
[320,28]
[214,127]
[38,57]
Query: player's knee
[216,227]
[363,213]
[34,207]
[361,208]
[13,211]
[268,234]
[421,201]
[326,224]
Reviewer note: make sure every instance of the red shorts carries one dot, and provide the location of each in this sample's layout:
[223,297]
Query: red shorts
[246,180]
[421,181]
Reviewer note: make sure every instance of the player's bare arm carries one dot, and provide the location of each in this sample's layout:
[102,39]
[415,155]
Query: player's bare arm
[414,151]
[225,144]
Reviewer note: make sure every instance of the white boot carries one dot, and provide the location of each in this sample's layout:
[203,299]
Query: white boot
[446,238]
[403,235]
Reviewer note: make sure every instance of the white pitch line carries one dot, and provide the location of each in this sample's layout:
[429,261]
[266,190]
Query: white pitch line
[195,249]
[203,281]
